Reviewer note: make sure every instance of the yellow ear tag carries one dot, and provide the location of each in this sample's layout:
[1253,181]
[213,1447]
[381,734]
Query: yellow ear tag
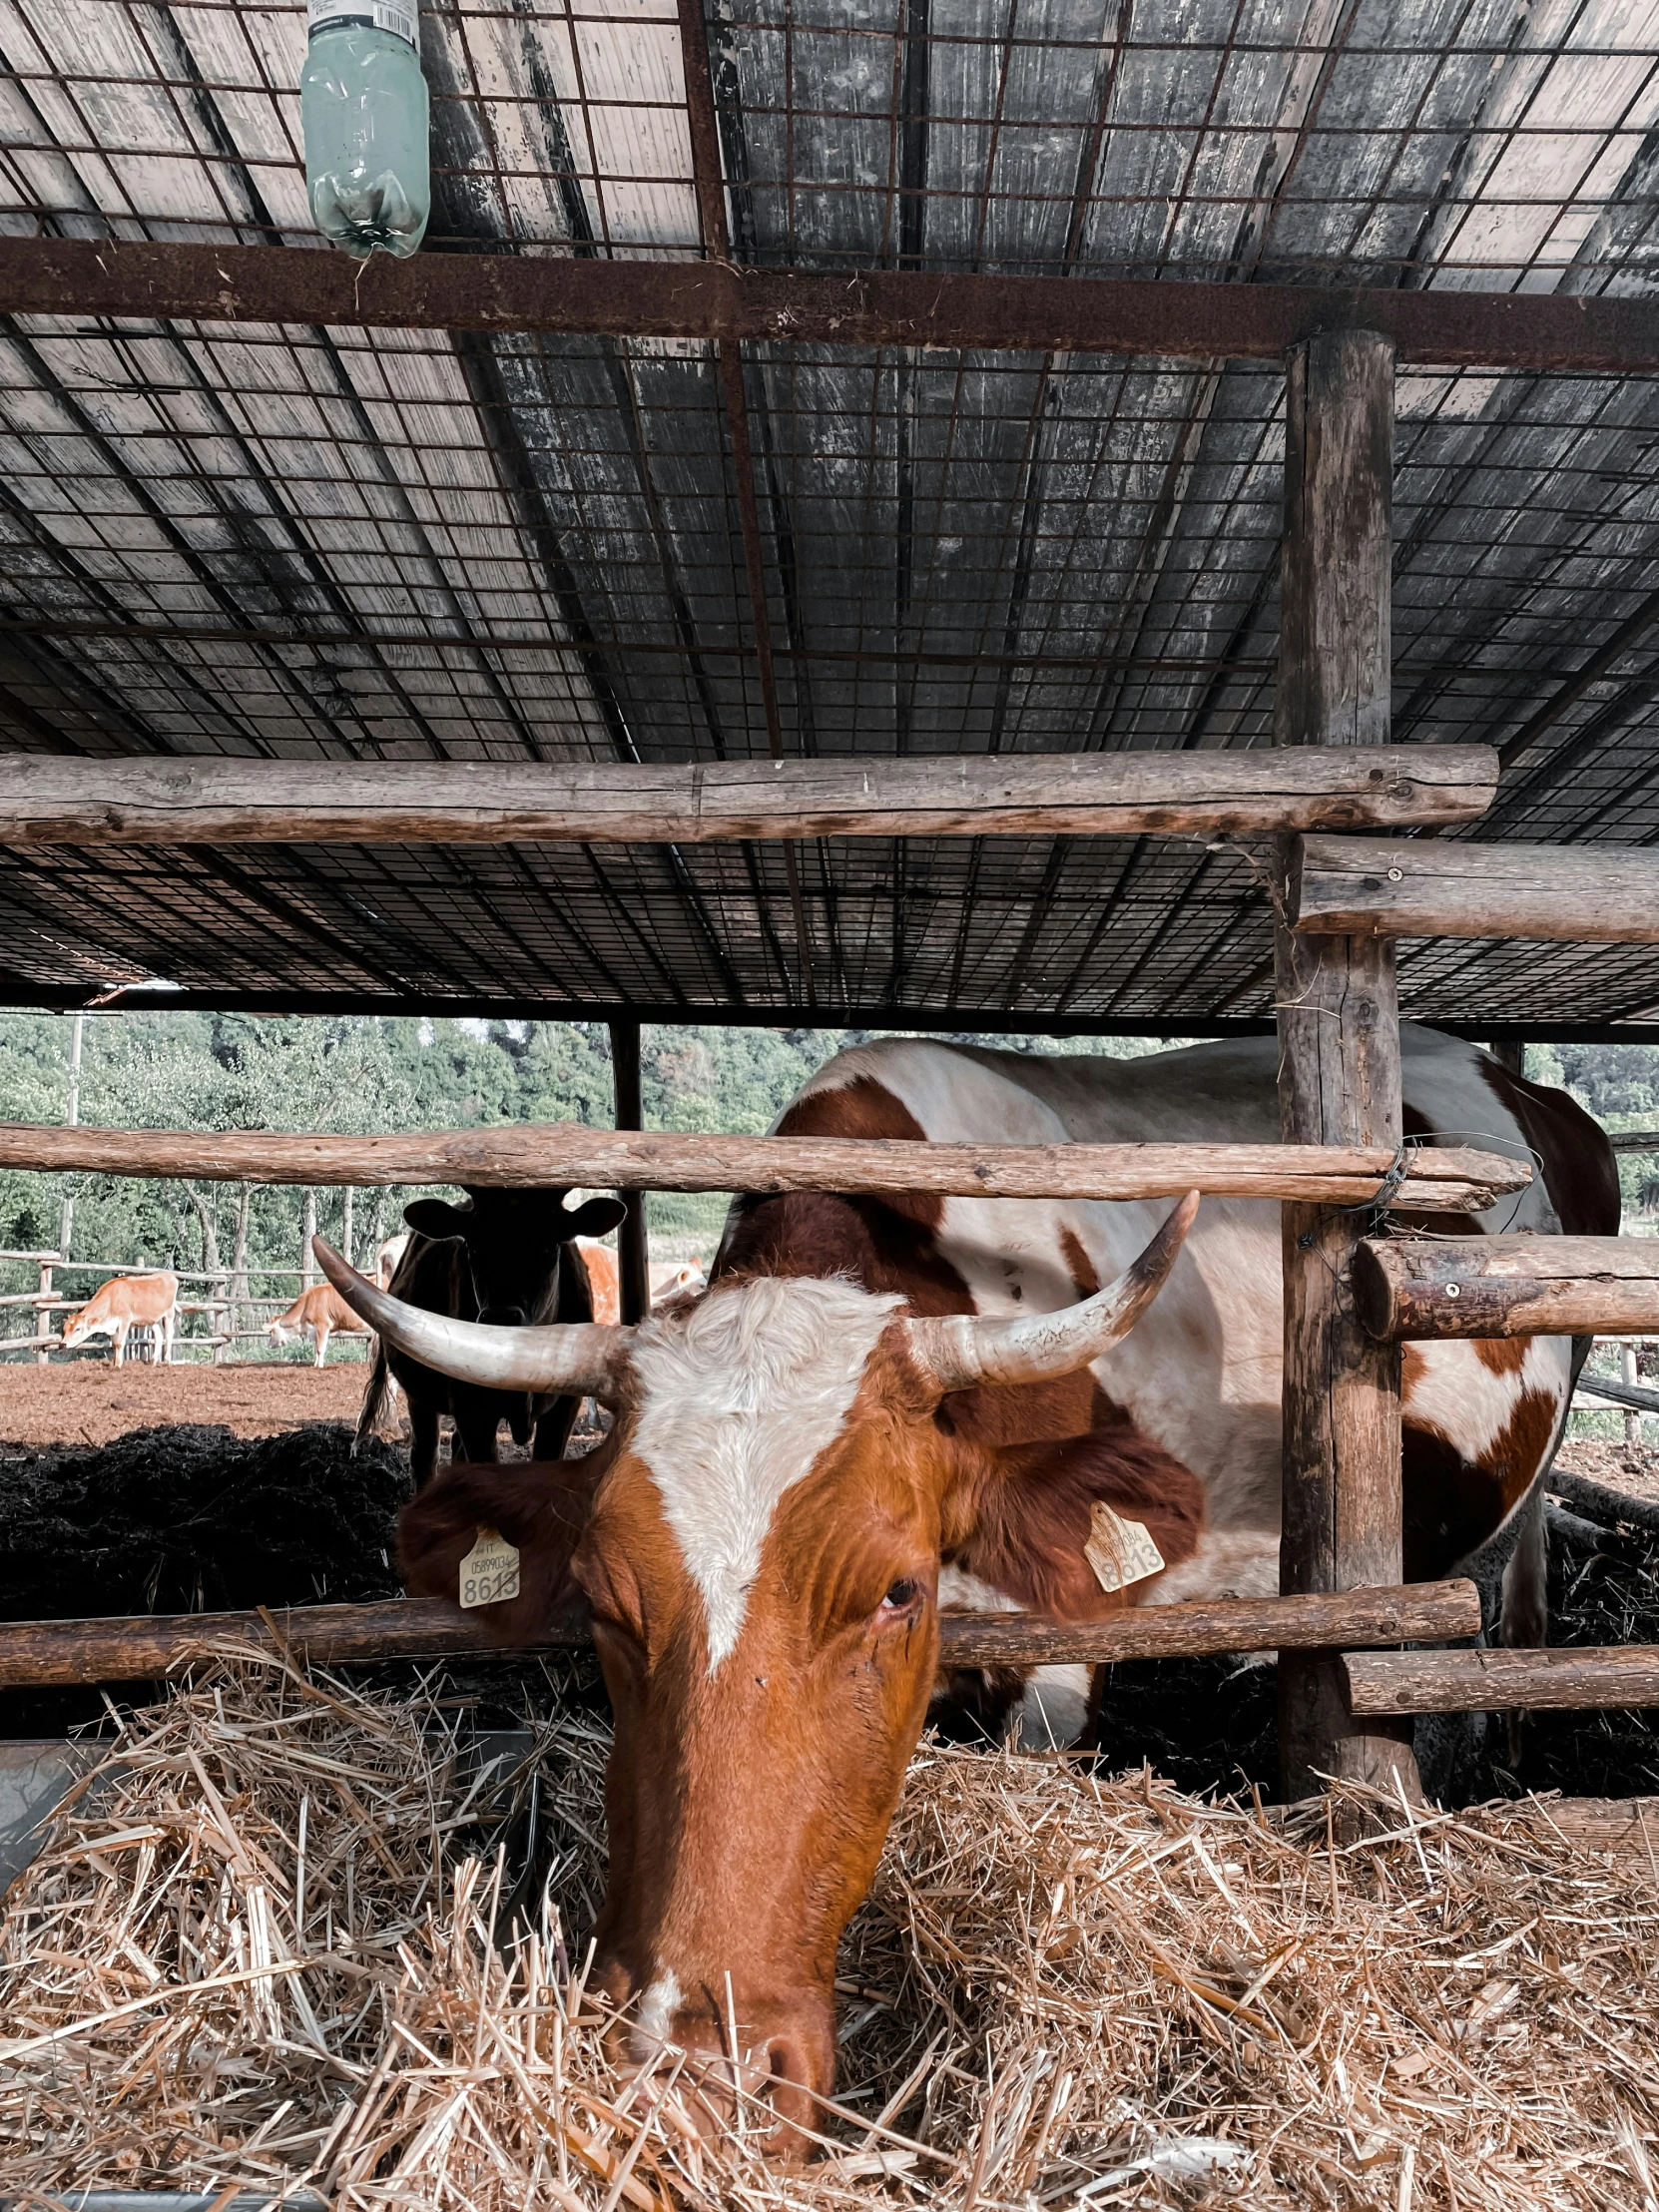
[489,1572]
[1120,1551]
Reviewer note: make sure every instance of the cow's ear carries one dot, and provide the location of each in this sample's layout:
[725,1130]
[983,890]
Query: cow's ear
[1019,1517]
[596,1217]
[540,1509]
[435,1217]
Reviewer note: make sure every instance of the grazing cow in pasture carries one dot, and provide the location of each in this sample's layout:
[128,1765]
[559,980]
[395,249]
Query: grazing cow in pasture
[668,1278]
[884,1407]
[321,1313]
[126,1303]
[509,1259]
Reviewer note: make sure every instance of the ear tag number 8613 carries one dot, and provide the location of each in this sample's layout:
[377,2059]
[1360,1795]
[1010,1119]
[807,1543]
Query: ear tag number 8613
[489,1572]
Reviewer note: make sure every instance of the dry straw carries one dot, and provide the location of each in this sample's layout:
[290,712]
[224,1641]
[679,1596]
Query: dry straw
[271,1947]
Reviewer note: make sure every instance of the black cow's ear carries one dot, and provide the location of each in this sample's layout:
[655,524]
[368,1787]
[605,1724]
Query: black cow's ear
[597,1216]
[435,1217]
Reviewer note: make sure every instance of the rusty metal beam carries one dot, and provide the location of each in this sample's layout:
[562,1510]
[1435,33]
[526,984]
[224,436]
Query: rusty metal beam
[716,300]
[703,128]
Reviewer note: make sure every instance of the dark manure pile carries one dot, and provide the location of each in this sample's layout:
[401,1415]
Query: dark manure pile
[1209,1725]
[1603,1590]
[188,1519]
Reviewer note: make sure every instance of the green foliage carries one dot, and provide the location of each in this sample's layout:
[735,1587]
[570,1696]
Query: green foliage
[233,1071]
[198,1071]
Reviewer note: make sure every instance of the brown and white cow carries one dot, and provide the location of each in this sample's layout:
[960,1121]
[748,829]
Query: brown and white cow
[126,1303]
[391,1250]
[883,1405]
[319,1312]
[669,1279]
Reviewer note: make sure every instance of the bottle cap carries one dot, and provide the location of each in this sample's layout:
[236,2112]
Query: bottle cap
[397,16]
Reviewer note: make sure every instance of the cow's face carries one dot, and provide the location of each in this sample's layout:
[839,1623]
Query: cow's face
[761,1560]
[760,1543]
[512,1240]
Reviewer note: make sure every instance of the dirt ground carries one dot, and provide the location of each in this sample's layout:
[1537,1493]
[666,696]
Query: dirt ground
[1631,1467]
[92,1401]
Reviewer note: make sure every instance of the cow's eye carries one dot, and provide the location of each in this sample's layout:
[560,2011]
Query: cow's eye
[901,1593]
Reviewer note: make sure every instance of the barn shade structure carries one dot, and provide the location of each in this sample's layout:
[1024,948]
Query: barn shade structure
[812,381]
[971,516]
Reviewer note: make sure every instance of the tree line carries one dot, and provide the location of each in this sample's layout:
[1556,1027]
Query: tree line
[380,1073]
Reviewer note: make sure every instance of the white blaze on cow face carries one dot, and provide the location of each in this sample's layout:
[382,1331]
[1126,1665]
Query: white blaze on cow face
[657,2008]
[738,1398]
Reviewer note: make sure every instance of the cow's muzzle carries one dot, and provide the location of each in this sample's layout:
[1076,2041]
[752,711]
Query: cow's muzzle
[759,2066]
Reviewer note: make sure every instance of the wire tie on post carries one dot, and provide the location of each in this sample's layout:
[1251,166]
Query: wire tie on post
[1376,1205]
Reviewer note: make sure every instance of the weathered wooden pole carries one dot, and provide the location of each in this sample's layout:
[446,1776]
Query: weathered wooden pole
[1338,1052]
[633,1252]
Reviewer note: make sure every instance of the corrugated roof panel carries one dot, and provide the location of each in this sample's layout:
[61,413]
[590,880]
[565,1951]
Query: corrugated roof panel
[315,543]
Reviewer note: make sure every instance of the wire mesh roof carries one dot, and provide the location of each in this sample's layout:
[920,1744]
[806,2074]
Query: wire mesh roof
[344,542]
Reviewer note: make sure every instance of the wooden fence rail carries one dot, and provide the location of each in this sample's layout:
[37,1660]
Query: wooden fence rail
[1573,1680]
[569,1155]
[1409,1287]
[38,1653]
[51,801]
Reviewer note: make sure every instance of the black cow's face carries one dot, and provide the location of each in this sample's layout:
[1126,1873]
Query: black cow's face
[512,1243]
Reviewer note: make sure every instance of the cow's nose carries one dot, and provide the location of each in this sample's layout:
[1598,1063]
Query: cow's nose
[504,1317]
[785,2052]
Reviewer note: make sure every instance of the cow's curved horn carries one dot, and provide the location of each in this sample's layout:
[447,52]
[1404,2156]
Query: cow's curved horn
[956,1351]
[564,1359]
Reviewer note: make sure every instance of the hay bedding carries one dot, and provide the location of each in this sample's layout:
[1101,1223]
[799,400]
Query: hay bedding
[271,1947]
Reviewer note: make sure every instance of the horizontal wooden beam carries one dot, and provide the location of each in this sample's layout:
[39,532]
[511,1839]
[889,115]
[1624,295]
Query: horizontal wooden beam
[1612,1392]
[1409,1287]
[569,1155]
[1418,887]
[1601,1503]
[550,293]
[49,800]
[1572,1681]
[1417,1612]
[1633,1140]
[40,1653]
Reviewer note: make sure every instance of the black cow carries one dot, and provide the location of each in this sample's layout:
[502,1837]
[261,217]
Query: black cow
[509,1257]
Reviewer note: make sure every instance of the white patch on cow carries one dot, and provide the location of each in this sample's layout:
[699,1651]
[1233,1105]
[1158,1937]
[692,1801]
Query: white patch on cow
[961,1592]
[1200,1373]
[1055,1708]
[658,2007]
[740,1394]
[1457,1395]
[1228,1562]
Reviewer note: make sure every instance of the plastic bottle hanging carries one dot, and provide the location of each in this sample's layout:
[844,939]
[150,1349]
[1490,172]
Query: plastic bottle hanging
[364,115]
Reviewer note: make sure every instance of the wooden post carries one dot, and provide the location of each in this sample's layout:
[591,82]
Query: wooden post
[43,1312]
[633,1250]
[72,1115]
[1338,1052]
[1633,1419]
[1511,1053]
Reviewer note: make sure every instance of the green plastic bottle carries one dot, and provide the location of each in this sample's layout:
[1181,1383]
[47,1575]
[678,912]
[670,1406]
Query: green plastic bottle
[363,111]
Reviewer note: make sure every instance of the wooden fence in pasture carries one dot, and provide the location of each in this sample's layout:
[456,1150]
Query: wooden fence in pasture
[219,1297]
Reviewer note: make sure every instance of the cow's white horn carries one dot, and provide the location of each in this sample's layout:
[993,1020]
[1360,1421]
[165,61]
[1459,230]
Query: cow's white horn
[561,1359]
[960,1350]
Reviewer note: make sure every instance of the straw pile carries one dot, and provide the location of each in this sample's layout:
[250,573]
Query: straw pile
[277,1945]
